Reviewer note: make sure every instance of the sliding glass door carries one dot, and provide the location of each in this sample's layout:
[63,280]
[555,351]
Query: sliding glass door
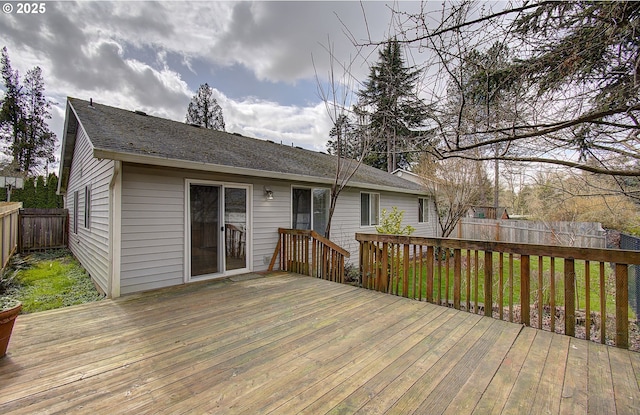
[218,225]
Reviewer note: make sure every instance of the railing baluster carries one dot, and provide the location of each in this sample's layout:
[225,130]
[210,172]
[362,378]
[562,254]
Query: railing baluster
[525,290]
[383,282]
[439,272]
[457,270]
[468,262]
[488,283]
[420,273]
[415,269]
[447,267]
[603,306]
[622,306]
[587,299]
[476,270]
[552,293]
[569,297]
[501,286]
[540,286]
[430,258]
[511,288]
[405,272]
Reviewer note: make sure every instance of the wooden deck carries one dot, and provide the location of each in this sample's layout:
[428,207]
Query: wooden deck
[289,344]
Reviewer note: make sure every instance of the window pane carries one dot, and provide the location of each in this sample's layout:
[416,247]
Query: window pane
[321,200]
[301,209]
[87,207]
[364,209]
[421,210]
[375,209]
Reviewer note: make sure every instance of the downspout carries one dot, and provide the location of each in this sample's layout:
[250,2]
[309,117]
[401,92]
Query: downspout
[115,230]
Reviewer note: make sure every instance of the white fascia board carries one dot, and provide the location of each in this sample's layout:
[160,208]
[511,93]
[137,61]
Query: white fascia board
[218,168]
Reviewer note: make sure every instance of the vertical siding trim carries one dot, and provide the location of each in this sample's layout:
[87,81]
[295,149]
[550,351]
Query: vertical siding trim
[115,230]
[186,275]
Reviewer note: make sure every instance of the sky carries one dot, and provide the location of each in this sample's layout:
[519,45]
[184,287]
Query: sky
[261,58]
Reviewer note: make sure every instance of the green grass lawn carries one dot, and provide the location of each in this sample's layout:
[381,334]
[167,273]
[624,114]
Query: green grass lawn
[44,281]
[536,287]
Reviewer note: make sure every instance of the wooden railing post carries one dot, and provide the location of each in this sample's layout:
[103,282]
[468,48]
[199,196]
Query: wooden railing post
[569,297]
[622,306]
[457,280]
[488,283]
[430,259]
[384,274]
[525,289]
[405,271]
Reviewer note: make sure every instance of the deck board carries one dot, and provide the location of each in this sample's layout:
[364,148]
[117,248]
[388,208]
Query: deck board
[285,344]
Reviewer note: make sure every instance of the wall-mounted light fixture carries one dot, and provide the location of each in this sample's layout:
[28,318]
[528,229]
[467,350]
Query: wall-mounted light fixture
[268,193]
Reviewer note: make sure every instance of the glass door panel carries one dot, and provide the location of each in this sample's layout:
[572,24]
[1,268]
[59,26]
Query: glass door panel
[235,224]
[205,229]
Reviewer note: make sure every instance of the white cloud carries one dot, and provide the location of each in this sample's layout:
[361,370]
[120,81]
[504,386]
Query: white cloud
[143,55]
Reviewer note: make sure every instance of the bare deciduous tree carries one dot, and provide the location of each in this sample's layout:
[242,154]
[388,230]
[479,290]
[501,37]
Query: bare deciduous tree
[453,185]
[576,68]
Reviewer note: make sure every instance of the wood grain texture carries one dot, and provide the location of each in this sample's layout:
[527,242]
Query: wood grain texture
[285,343]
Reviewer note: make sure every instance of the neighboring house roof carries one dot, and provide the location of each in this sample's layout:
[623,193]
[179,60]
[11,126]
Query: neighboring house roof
[132,136]
[407,175]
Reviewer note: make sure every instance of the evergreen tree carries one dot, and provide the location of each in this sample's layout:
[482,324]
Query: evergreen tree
[41,193]
[394,110]
[54,200]
[11,112]
[349,139]
[204,110]
[27,195]
[38,144]
[23,117]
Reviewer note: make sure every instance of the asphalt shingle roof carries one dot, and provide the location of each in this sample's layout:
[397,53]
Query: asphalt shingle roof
[123,132]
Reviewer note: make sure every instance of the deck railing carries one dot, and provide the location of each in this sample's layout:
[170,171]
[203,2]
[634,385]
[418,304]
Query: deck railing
[306,252]
[531,284]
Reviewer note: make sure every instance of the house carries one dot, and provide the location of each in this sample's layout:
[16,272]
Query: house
[155,203]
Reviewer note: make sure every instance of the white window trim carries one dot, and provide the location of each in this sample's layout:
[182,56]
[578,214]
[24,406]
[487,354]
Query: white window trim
[87,207]
[426,207]
[311,189]
[370,225]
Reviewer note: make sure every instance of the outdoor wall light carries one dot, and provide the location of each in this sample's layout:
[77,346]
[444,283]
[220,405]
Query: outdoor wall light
[268,193]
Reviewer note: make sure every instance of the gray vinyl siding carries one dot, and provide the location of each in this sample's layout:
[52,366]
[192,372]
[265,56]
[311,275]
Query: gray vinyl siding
[153,222]
[91,244]
[152,249]
[346,219]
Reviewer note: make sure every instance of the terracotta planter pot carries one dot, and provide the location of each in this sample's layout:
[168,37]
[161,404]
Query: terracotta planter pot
[7,318]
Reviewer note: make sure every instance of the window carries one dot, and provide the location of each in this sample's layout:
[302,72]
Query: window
[321,200]
[310,209]
[87,207]
[423,209]
[369,209]
[76,210]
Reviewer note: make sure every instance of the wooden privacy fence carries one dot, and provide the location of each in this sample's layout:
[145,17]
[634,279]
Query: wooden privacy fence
[507,281]
[583,234]
[9,212]
[43,229]
[306,252]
